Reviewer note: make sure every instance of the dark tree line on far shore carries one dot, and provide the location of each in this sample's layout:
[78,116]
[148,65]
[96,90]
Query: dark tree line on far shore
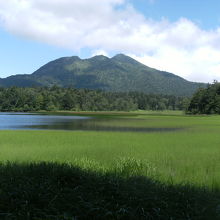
[206,100]
[56,98]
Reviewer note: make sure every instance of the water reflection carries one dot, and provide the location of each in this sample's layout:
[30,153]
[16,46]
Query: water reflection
[14,121]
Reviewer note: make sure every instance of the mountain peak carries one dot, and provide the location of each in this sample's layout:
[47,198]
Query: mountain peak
[68,58]
[100,57]
[120,73]
[122,58]
[65,60]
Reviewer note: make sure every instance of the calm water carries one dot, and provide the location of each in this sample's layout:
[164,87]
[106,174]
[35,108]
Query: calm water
[14,121]
[21,121]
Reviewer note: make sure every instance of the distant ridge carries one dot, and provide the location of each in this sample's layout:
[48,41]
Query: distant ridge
[119,73]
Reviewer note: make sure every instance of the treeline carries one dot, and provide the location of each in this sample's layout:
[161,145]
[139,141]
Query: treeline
[56,98]
[206,101]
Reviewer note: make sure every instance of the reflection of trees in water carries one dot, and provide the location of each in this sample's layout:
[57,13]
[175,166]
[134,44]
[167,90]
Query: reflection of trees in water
[95,125]
[52,122]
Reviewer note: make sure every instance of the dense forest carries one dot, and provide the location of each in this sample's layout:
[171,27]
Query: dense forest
[206,101]
[57,98]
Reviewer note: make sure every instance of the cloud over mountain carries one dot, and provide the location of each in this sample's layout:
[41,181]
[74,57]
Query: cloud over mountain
[114,26]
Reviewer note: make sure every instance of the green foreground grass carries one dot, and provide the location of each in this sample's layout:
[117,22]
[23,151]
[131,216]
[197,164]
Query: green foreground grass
[114,175]
[60,191]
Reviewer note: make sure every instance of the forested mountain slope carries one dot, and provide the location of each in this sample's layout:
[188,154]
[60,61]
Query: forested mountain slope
[119,73]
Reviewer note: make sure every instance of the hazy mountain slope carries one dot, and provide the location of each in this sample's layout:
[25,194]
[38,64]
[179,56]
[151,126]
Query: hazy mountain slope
[120,73]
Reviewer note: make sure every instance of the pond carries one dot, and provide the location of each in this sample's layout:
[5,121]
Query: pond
[29,121]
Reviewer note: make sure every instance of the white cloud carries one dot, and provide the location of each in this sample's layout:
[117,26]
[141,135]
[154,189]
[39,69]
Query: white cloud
[108,26]
[100,52]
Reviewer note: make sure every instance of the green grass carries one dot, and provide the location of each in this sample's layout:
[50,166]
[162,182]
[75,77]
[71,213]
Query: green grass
[185,156]
[189,155]
[185,161]
[60,191]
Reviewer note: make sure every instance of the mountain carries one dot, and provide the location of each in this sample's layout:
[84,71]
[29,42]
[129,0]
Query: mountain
[119,73]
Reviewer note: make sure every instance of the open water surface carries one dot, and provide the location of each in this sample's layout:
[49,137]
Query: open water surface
[28,121]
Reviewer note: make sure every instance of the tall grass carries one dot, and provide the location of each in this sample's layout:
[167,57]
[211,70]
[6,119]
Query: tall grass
[189,156]
[70,175]
[54,191]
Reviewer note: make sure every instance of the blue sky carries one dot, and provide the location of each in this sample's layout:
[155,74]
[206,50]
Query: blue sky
[203,12]
[179,36]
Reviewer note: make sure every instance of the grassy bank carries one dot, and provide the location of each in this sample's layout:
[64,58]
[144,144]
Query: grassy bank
[63,192]
[152,175]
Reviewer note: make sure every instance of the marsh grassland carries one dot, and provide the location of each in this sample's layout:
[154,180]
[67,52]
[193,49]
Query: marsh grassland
[168,168]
